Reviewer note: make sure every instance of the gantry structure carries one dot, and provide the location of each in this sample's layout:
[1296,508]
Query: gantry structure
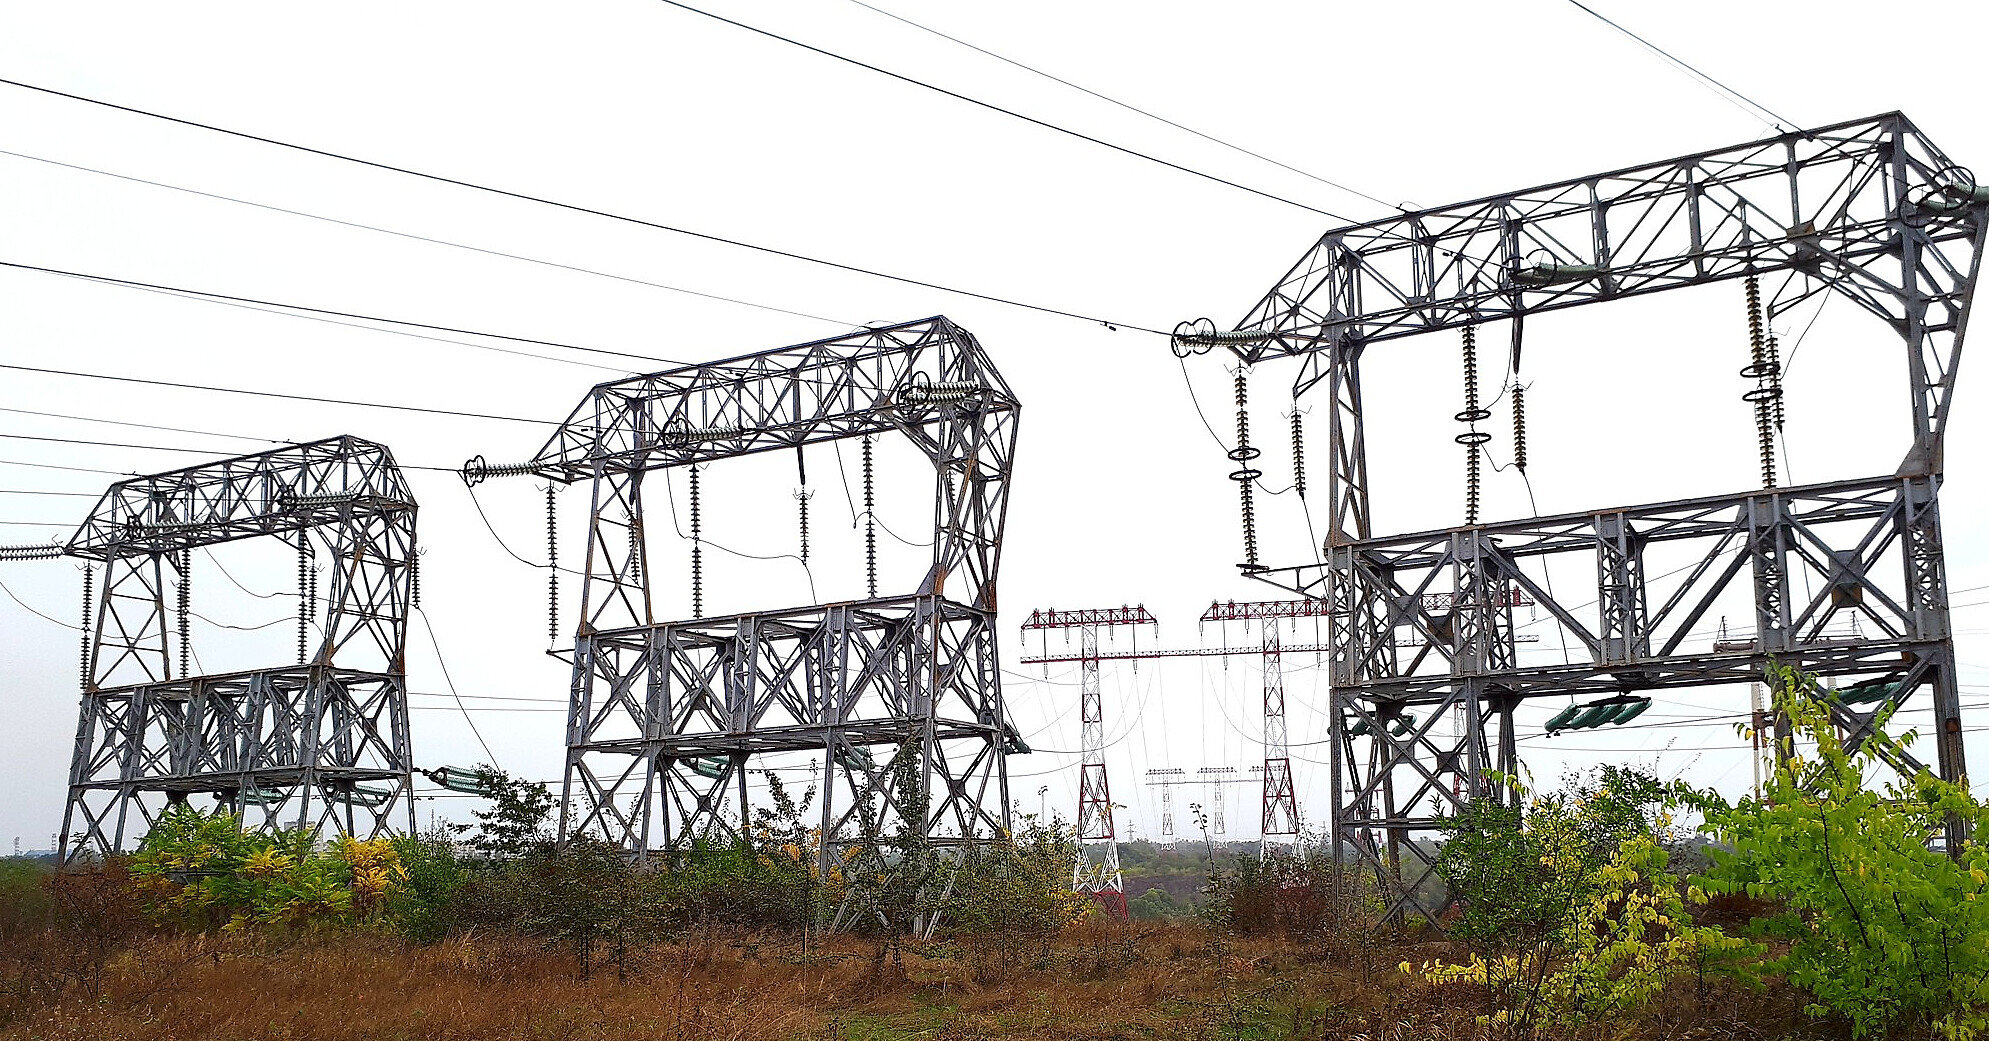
[321,743]
[1100,878]
[667,716]
[1869,210]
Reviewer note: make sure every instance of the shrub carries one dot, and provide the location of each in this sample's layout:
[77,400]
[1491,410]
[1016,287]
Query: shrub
[1882,929]
[1012,896]
[201,870]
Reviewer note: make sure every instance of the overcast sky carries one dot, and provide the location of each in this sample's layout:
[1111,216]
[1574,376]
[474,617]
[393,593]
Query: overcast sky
[640,108]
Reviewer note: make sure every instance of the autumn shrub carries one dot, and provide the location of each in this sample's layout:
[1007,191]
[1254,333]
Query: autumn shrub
[204,870]
[1880,928]
[1012,896]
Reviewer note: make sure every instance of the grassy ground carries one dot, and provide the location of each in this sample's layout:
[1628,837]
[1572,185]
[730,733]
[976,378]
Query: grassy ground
[1096,982]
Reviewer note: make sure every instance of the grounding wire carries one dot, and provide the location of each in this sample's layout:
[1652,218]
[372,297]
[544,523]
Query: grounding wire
[992,107]
[425,238]
[1780,123]
[577,208]
[1128,107]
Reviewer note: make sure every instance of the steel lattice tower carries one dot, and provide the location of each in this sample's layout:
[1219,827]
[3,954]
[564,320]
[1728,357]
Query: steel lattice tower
[666,717]
[1868,209]
[1280,797]
[323,743]
[1094,790]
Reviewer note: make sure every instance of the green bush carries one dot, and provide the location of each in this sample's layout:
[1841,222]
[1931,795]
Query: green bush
[1881,929]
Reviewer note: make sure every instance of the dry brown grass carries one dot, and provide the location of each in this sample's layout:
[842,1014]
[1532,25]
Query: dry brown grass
[1097,982]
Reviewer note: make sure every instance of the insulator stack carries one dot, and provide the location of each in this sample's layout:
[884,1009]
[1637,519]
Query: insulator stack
[1775,379]
[414,584]
[921,391]
[1297,455]
[303,597]
[869,520]
[89,584]
[1472,438]
[1245,475]
[1519,427]
[679,434]
[185,563]
[552,567]
[801,497]
[697,549]
[1766,372]
[634,550]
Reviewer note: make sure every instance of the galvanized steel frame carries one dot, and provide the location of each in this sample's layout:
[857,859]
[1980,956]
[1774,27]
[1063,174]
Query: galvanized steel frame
[909,673]
[1869,209]
[288,745]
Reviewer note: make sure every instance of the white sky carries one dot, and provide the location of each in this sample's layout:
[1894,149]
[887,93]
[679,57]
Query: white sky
[639,108]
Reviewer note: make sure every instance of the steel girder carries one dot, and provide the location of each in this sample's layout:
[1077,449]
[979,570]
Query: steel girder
[323,743]
[652,702]
[1869,209]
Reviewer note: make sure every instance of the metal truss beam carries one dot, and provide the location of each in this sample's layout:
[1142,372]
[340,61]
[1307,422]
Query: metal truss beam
[666,717]
[323,743]
[1869,209]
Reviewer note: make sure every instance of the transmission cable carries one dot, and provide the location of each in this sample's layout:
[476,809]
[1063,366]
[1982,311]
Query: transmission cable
[1128,107]
[990,106]
[203,294]
[1780,123]
[577,208]
[424,238]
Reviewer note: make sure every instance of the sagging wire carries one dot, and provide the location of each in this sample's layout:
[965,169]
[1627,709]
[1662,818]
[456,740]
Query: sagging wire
[1245,475]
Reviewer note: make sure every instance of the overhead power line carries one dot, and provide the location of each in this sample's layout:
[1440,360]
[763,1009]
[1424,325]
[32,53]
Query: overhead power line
[1780,123]
[276,395]
[992,107]
[422,238]
[577,208]
[1128,107]
[274,305]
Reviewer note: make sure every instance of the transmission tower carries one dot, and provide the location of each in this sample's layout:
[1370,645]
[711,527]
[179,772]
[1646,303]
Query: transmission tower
[322,743]
[1868,209]
[1280,798]
[1166,779]
[893,691]
[1094,791]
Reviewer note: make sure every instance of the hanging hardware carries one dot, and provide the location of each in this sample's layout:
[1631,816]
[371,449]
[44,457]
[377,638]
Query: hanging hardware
[89,581]
[1767,376]
[1245,475]
[634,549]
[414,582]
[303,596]
[552,568]
[919,391]
[869,520]
[184,563]
[678,433]
[697,549]
[1614,711]
[801,497]
[1297,454]
[1472,438]
[477,470]
[1519,426]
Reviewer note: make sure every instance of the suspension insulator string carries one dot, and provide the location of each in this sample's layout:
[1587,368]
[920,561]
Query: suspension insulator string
[184,563]
[552,566]
[303,595]
[697,548]
[1297,454]
[1766,374]
[1519,426]
[1245,475]
[414,583]
[89,582]
[869,519]
[1473,438]
[801,496]
[634,549]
